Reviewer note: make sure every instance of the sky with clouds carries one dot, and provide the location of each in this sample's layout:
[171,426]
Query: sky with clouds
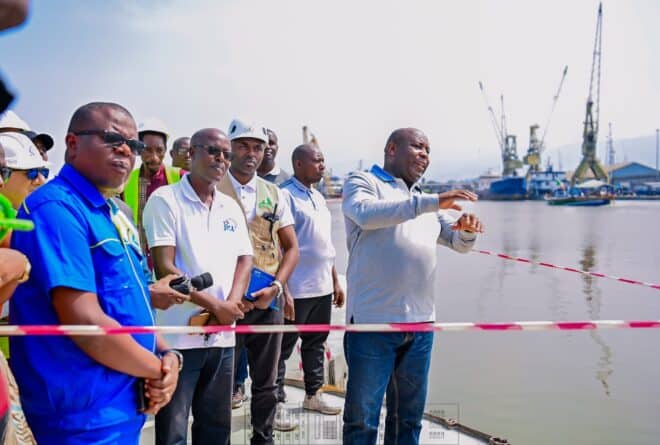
[351,71]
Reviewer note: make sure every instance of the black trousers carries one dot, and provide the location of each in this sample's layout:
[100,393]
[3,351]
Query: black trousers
[308,311]
[263,352]
[205,384]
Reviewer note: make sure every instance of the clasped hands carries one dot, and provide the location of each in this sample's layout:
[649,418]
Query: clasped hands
[159,391]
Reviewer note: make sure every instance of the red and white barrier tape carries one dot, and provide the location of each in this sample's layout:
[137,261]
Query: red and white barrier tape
[10,330]
[568,269]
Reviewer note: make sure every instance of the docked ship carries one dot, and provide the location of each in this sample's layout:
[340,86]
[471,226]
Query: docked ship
[535,184]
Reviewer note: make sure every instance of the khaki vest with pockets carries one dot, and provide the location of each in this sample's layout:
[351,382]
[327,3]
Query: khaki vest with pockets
[263,233]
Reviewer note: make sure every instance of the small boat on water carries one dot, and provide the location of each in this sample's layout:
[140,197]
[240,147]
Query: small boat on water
[581,201]
[588,194]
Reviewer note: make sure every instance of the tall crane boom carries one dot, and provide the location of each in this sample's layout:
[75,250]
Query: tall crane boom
[498,131]
[507,142]
[554,104]
[536,145]
[590,131]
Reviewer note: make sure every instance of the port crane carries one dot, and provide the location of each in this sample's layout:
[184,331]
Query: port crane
[325,185]
[590,131]
[536,145]
[506,141]
[308,137]
[610,147]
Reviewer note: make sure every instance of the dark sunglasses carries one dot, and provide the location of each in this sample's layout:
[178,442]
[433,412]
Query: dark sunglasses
[5,173]
[33,173]
[114,139]
[215,151]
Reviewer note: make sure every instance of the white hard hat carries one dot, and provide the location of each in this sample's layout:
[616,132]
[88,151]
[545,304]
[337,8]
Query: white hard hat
[20,152]
[153,125]
[242,129]
[9,119]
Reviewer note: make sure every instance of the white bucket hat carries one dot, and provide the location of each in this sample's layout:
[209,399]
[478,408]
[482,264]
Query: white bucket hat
[240,129]
[20,152]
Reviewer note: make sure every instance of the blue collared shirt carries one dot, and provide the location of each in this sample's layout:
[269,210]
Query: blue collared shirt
[391,233]
[312,277]
[75,244]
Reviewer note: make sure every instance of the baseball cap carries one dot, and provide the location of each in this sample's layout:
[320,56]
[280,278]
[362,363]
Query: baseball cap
[46,139]
[20,152]
[9,119]
[239,128]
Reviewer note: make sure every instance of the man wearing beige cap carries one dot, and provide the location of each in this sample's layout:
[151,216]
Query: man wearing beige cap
[27,168]
[275,255]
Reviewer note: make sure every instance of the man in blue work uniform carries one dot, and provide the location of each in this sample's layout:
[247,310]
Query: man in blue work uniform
[87,269]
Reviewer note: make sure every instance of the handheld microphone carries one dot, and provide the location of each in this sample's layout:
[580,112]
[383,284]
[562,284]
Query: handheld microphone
[186,285]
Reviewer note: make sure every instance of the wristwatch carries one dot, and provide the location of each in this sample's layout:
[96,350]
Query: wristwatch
[280,288]
[178,355]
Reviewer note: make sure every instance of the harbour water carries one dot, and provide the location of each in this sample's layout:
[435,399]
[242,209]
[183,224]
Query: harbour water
[581,387]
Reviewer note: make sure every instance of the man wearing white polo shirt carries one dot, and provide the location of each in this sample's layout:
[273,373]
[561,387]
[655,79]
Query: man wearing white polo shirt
[313,284]
[191,229]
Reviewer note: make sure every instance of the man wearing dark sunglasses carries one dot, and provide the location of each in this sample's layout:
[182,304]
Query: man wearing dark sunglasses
[25,169]
[151,175]
[87,269]
[191,229]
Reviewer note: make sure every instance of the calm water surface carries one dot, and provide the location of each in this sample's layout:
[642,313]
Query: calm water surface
[582,387]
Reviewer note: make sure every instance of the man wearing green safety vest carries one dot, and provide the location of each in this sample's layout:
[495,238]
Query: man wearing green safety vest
[152,174]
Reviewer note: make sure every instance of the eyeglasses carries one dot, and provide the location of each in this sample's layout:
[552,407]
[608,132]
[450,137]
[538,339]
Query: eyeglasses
[215,151]
[114,139]
[33,173]
[5,173]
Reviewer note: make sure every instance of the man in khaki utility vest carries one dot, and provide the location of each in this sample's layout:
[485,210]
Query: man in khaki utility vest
[270,225]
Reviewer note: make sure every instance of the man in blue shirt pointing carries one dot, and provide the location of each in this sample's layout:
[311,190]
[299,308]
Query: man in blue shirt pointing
[87,269]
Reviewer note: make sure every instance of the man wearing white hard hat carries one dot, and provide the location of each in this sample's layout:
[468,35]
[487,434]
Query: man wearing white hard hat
[152,174]
[27,169]
[275,255]
[11,123]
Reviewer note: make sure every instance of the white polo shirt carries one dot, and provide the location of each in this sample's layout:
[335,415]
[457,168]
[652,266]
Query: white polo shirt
[247,193]
[206,240]
[312,277]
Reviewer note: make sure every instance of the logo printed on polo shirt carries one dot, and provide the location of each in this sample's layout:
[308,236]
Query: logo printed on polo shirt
[266,204]
[229,225]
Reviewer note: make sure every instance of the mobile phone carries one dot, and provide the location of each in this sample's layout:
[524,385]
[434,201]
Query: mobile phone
[142,400]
